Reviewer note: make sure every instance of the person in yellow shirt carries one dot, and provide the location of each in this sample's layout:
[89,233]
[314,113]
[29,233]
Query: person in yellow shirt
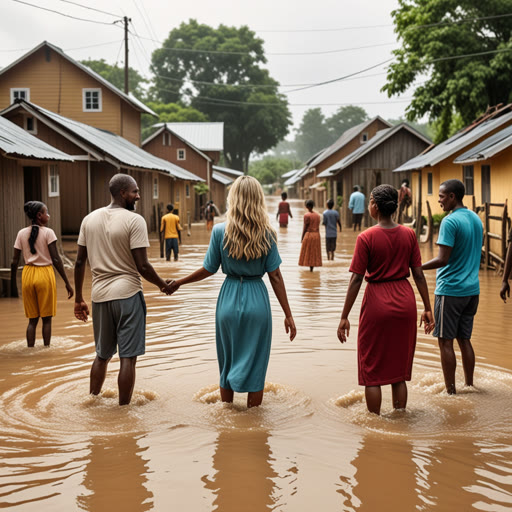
[170,227]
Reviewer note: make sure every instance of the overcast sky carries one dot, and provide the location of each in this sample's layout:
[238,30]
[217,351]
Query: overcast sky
[286,26]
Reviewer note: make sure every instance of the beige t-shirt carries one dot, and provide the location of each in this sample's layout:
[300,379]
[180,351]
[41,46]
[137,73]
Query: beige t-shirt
[109,235]
[44,238]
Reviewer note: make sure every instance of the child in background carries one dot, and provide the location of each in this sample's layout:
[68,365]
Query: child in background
[330,220]
[38,244]
[310,251]
[283,211]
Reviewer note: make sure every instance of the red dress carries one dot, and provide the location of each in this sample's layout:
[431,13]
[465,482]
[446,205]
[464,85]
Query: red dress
[387,323]
[310,250]
[284,211]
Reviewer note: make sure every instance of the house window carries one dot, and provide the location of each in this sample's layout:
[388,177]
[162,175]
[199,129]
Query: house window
[187,190]
[166,139]
[468,173]
[53,181]
[364,137]
[92,100]
[155,187]
[429,184]
[178,195]
[181,154]
[30,124]
[20,93]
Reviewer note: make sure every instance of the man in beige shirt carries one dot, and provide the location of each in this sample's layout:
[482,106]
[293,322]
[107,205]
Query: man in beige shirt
[114,239]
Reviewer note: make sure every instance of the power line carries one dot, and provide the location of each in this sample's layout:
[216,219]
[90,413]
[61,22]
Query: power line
[63,14]
[90,8]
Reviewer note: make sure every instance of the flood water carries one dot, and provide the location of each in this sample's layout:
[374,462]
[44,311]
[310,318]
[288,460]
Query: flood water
[311,446]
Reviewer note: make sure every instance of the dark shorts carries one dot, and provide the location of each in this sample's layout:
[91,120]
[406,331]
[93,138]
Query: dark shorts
[357,218]
[330,244]
[454,316]
[120,323]
[171,244]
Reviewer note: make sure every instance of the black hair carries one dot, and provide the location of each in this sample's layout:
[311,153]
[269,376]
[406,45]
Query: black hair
[120,182]
[284,196]
[170,207]
[456,187]
[405,182]
[355,188]
[310,203]
[330,204]
[32,208]
[386,198]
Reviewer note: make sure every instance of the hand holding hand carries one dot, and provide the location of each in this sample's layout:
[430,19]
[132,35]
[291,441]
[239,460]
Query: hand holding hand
[70,291]
[171,286]
[81,311]
[505,291]
[289,326]
[343,330]
[428,320]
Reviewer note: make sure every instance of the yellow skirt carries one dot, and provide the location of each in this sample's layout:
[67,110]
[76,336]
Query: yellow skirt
[39,291]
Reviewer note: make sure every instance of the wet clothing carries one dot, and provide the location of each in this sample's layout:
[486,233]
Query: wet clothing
[243,320]
[330,244]
[170,225]
[387,324]
[454,316]
[462,230]
[39,291]
[356,202]
[284,212]
[45,237]
[110,234]
[120,323]
[330,220]
[310,250]
[171,245]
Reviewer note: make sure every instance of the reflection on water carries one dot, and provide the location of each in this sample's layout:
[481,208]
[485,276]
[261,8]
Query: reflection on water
[312,445]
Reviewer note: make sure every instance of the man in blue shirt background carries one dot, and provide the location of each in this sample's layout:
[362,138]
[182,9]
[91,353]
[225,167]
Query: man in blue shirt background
[330,219]
[457,284]
[356,204]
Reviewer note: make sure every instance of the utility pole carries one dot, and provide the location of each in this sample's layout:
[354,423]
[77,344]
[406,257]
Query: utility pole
[126,84]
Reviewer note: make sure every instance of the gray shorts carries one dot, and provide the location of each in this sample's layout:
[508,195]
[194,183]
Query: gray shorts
[454,316]
[120,323]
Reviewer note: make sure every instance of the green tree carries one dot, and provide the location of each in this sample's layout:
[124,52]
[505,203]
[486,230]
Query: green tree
[115,75]
[312,134]
[344,118]
[223,78]
[434,31]
[269,169]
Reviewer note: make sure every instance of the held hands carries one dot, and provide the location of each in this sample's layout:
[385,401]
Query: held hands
[171,286]
[428,320]
[343,330]
[505,291]
[289,326]
[70,291]
[81,311]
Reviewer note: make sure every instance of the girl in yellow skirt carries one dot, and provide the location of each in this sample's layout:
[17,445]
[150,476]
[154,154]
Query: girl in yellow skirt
[38,244]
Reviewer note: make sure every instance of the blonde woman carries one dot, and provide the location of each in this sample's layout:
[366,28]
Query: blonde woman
[245,246]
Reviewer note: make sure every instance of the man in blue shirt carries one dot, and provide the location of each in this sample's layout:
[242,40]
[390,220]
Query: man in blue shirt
[457,285]
[331,218]
[356,204]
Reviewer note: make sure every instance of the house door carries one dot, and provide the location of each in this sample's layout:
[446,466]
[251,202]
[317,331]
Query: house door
[486,183]
[32,183]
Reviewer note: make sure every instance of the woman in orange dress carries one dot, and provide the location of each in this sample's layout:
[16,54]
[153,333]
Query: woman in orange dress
[310,251]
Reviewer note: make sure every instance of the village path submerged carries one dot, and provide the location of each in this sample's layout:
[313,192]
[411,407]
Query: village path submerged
[312,445]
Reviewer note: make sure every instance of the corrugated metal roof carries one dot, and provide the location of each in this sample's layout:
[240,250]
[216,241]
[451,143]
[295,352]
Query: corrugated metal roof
[225,170]
[127,97]
[289,173]
[295,178]
[370,145]
[344,139]
[454,144]
[205,136]
[16,141]
[114,146]
[488,147]
[221,178]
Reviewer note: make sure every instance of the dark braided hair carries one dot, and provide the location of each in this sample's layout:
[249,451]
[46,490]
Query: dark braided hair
[386,198]
[32,208]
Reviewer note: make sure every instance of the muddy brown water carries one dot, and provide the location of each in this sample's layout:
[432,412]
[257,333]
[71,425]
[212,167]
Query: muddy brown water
[311,446]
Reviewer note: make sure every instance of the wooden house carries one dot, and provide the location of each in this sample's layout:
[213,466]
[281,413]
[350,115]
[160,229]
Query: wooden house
[349,141]
[27,173]
[372,164]
[47,77]
[97,155]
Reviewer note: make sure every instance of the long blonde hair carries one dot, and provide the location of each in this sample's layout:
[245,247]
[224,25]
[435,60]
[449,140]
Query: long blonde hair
[248,232]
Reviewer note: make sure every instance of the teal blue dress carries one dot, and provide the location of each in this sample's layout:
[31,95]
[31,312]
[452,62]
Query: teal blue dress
[243,320]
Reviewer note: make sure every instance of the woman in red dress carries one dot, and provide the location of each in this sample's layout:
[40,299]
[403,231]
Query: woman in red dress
[283,211]
[310,251]
[387,323]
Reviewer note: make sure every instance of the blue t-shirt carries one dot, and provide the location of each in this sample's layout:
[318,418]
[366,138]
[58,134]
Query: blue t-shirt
[462,230]
[331,218]
[356,202]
